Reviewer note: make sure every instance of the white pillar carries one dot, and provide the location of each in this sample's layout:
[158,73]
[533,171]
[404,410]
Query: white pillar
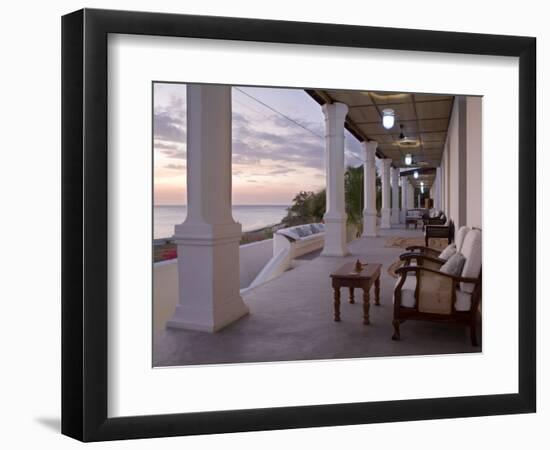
[386,210]
[335,216]
[394,195]
[411,196]
[208,239]
[404,198]
[369,185]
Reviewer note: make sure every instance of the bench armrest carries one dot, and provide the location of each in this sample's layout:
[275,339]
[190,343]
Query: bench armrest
[405,269]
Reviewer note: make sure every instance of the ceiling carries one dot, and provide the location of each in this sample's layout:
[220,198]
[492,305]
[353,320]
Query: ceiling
[425,119]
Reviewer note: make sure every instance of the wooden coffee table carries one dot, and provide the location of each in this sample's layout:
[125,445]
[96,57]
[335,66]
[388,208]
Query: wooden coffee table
[347,276]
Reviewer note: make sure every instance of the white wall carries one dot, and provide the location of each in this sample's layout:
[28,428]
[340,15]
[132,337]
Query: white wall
[461,160]
[253,257]
[30,333]
[165,292]
[474,161]
[452,160]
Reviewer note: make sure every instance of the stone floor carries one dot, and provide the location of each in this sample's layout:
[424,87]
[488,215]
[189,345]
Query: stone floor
[291,318]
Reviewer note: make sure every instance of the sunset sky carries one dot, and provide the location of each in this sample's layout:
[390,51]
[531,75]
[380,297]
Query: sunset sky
[274,156]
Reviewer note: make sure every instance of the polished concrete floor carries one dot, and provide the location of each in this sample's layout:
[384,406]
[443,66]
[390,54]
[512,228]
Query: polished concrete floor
[291,318]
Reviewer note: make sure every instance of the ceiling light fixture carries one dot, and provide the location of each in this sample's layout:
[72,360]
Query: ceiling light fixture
[408,159]
[388,118]
[415,174]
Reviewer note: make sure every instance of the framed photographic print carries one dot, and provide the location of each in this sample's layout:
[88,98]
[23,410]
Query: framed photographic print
[273,224]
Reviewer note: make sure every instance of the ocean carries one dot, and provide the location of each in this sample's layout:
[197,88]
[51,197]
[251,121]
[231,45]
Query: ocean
[251,217]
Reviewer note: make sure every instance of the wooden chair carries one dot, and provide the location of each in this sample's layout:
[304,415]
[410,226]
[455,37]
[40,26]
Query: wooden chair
[439,231]
[439,219]
[423,292]
[431,254]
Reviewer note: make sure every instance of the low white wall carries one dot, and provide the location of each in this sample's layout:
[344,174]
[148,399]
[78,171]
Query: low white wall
[165,292]
[253,257]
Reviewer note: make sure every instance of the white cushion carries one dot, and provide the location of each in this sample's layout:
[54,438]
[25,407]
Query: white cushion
[449,251]
[313,237]
[314,228]
[304,231]
[463,301]
[459,238]
[471,249]
[407,292]
[454,265]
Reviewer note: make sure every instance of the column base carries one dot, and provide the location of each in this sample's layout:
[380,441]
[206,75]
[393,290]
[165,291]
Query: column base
[370,228]
[395,216]
[193,317]
[335,237]
[208,276]
[386,218]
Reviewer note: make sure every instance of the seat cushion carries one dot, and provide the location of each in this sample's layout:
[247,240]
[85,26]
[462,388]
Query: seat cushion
[314,228]
[303,231]
[471,249]
[459,237]
[407,292]
[447,252]
[454,265]
[463,301]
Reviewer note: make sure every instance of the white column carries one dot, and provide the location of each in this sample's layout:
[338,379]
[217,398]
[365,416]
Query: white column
[394,195]
[404,198]
[369,185]
[208,239]
[411,196]
[335,216]
[386,210]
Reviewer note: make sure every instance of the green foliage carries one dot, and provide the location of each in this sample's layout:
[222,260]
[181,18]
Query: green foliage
[308,206]
[354,195]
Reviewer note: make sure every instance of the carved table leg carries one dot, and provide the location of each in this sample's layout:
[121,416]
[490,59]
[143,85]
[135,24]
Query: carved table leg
[351,297]
[396,335]
[366,306]
[337,304]
[377,291]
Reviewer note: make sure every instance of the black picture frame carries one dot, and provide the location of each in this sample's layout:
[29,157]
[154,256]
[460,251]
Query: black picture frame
[84,224]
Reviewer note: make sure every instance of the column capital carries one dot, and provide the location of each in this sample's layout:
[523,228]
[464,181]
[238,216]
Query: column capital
[369,151]
[386,163]
[370,146]
[335,110]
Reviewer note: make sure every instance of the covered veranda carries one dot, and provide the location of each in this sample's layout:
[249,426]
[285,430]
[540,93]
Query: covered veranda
[290,317]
